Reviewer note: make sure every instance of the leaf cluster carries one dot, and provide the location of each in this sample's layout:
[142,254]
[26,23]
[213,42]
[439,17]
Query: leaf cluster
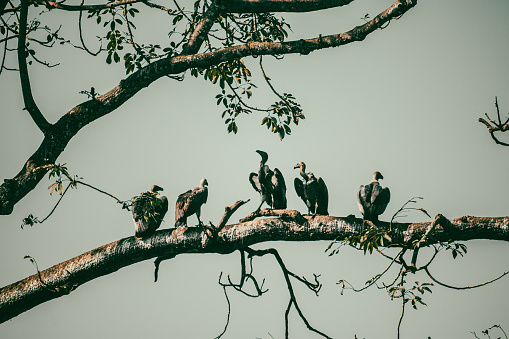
[369,239]
[412,294]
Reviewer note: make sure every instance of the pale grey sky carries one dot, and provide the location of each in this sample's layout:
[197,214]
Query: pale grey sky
[404,102]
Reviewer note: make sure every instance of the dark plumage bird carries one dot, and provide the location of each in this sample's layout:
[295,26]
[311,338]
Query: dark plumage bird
[312,191]
[149,211]
[373,199]
[190,202]
[270,184]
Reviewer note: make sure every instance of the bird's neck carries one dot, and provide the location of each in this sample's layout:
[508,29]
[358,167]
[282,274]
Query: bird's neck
[374,180]
[303,173]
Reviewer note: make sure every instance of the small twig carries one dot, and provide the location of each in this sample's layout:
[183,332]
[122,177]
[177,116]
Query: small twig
[229,309]
[81,33]
[402,313]
[158,261]
[463,287]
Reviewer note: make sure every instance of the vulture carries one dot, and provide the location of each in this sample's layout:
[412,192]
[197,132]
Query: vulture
[149,211]
[312,191]
[190,202]
[270,184]
[373,199]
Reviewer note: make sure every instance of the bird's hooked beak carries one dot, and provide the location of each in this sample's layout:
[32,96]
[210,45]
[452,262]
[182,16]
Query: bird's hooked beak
[264,155]
[300,165]
[377,175]
[156,188]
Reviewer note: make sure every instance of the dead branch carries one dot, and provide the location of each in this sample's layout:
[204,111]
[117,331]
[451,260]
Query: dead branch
[496,126]
[228,212]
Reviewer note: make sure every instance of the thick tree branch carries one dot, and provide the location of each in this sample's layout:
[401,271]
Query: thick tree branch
[30,104]
[260,6]
[60,134]
[201,31]
[226,6]
[61,279]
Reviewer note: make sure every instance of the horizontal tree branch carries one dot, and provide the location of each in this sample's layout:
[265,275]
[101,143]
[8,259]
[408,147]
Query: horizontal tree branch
[13,190]
[65,277]
[226,6]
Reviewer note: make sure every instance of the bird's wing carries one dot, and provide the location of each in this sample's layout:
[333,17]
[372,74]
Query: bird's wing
[323,193]
[253,179]
[361,198]
[279,179]
[299,188]
[278,190]
[163,207]
[182,205]
[383,199]
[196,198]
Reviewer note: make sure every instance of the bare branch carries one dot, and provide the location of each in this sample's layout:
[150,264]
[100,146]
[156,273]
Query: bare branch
[30,104]
[464,287]
[496,126]
[228,212]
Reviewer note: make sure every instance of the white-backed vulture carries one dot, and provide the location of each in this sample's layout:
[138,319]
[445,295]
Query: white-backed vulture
[271,185]
[312,191]
[149,211]
[373,199]
[190,202]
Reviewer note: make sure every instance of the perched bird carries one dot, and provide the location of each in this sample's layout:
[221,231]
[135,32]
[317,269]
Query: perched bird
[312,191]
[270,184]
[373,199]
[149,211]
[190,202]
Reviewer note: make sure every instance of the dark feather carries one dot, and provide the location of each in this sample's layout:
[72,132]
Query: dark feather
[278,190]
[189,203]
[373,200]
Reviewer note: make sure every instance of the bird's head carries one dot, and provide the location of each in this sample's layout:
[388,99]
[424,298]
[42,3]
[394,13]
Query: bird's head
[204,182]
[311,176]
[156,188]
[264,155]
[377,175]
[301,165]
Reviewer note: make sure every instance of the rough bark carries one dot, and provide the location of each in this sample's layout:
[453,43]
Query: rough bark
[59,134]
[65,277]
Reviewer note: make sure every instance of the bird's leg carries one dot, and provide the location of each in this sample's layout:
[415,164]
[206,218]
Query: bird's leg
[259,207]
[198,216]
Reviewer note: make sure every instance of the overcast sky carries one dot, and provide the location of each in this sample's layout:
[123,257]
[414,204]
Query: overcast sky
[404,102]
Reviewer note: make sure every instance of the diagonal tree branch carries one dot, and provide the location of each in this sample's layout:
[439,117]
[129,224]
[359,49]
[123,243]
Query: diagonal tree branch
[30,104]
[63,278]
[201,31]
[56,139]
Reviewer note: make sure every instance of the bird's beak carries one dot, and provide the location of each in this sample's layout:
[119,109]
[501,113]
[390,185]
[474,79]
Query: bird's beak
[296,166]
